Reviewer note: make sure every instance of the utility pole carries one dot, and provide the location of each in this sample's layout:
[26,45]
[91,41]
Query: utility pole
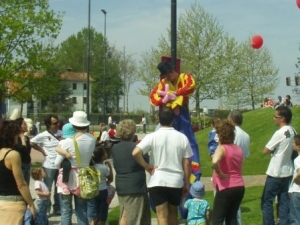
[173,32]
[104,64]
[88,63]
[124,83]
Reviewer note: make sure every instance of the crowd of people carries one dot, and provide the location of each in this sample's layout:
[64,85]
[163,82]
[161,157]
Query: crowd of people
[168,155]
[268,102]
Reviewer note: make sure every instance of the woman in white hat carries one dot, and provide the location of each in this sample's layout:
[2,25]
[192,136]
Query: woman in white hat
[86,146]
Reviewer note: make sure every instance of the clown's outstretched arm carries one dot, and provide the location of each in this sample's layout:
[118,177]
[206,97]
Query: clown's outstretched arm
[188,85]
[155,99]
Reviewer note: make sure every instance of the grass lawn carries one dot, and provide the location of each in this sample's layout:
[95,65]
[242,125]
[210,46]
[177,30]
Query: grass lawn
[251,214]
[260,126]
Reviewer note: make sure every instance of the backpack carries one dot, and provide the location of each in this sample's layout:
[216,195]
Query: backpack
[89,179]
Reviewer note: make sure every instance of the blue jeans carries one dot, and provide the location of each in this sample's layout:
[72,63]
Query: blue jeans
[26,171]
[276,187]
[80,210]
[49,180]
[42,205]
[295,208]
[98,207]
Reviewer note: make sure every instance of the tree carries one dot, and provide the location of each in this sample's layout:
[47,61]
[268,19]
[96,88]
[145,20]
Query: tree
[148,73]
[130,76]
[59,100]
[296,89]
[220,65]
[106,88]
[256,76]
[24,25]
[202,47]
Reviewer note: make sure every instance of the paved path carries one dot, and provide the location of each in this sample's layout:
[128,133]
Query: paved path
[255,180]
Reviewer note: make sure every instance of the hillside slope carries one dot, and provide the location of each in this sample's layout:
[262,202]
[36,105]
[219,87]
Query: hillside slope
[260,126]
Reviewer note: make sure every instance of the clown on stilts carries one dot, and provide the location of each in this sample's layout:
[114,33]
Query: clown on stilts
[173,90]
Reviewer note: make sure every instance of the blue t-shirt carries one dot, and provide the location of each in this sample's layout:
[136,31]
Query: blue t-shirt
[196,211]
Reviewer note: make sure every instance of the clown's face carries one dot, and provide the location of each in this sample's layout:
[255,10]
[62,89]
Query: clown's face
[172,76]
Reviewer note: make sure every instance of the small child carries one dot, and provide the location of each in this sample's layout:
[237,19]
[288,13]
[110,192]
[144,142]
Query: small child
[42,192]
[198,208]
[213,140]
[294,189]
[98,206]
[63,162]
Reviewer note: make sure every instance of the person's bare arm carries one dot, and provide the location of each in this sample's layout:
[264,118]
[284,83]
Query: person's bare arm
[42,194]
[110,177]
[62,152]
[267,151]
[208,217]
[219,154]
[38,148]
[138,155]
[297,178]
[186,165]
[14,163]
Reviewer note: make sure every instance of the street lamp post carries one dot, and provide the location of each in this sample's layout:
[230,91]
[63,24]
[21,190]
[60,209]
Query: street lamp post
[88,62]
[173,32]
[104,61]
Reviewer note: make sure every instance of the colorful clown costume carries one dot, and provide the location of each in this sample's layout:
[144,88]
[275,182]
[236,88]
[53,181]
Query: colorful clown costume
[182,88]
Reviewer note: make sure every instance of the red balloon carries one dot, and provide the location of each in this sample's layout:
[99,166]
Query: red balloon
[257,41]
[298,3]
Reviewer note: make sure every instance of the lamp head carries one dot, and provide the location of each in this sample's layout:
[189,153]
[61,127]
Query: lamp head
[102,10]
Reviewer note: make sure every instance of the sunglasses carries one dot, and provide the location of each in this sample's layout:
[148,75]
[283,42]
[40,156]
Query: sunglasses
[277,116]
[55,123]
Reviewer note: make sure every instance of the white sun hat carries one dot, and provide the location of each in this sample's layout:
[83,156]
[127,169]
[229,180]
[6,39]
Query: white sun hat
[79,119]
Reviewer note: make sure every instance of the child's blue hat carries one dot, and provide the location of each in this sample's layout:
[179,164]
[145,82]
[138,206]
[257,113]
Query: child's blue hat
[68,130]
[197,189]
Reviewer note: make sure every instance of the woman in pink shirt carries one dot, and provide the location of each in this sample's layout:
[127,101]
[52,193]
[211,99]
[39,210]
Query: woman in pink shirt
[227,177]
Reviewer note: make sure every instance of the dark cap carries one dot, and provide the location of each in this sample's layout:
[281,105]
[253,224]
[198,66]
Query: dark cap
[164,67]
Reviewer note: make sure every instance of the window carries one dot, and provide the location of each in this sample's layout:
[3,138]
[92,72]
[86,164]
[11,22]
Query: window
[84,100]
[74,100]
[74,86]
[84,86]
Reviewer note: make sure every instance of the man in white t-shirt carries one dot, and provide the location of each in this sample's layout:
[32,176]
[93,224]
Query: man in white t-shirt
[169,166]
[242,139]
[46,142]
[280,169]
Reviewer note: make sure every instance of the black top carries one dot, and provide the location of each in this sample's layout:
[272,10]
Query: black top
[130,176]
[8,185]
[24,150]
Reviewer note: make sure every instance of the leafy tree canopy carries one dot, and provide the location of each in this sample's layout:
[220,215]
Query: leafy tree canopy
[24,26]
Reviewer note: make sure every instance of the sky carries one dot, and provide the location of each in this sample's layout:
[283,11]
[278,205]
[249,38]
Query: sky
[137,25]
